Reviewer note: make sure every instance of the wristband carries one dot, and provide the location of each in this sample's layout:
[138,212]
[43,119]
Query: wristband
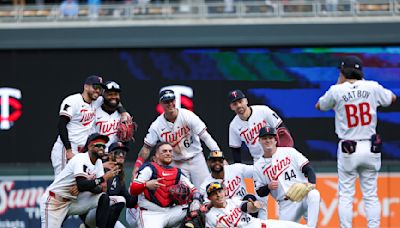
[139,162]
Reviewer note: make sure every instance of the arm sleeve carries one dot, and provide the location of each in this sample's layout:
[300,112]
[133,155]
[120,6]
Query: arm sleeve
[139,184]
[85,184]
[63,132]
[272,118]
[299,159]
[247,170]
[236,153]
[234,137]
[263,191]
[384,96]
[309,173]
[259,178]
[152,137]
[209,141]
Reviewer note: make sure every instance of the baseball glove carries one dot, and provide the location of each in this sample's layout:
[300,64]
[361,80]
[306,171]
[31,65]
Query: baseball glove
[179,193]
[195,219]
[126,130]
[298,191]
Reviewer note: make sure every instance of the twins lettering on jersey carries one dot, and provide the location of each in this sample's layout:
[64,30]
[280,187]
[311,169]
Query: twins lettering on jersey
[176,137]
[107,128]
[87,116]
[232,186]
[250,136]
[232,219]
[274,171]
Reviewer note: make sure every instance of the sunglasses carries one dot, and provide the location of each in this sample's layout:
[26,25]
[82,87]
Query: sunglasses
[112,85]
[96,86]
[100,145]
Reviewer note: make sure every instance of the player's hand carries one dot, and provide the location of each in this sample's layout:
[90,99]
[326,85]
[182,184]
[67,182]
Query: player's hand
[69,154]
[195,205]
[273,185]
[74,190]
[257,204]
[111,173]
[154,184]
[109,164]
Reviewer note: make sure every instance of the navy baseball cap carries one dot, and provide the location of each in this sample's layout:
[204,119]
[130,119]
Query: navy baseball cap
[97,136]
[94,80]
[112,86]
[264,131]
[167,95]
[117,146]
[235,95]
[350,62]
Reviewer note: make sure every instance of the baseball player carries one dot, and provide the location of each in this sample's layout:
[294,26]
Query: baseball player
[85,170]
[116,190]
[183,130]
[107,116]
[278,170]
[246,124]
[231,176]
[232,213]
[77,113]
[152,184]
[355,102]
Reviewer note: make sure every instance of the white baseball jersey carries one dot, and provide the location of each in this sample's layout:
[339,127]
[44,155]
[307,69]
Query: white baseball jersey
[107,124]
[247,131]
[183,134]
[284,166]
[231,216]
[233,180]
[82,116]
[355,107]
[79,165]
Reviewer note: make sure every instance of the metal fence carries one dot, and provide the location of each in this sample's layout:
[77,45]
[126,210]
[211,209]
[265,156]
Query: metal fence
[205,10]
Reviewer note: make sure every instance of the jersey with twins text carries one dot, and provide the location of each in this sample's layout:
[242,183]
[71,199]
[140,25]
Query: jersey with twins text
[79,165]
[355,107]
[231,216]
[247,131]
[107,124]
[82,116]
[183,134]
[284,166]
[233,180]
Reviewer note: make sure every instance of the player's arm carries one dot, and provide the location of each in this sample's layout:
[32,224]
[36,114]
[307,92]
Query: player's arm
[309,173]
[144,153]
[131,201]
[63,120]
[208,140]
[85,184]
[252,206]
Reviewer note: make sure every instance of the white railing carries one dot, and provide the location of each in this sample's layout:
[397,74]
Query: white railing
[241,9]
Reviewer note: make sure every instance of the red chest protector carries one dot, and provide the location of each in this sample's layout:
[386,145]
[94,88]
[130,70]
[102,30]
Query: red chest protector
[171,176]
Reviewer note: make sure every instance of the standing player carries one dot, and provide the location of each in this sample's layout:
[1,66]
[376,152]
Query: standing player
[153,183]
[107,116]
[248,121]
[278,170]
[231,176]
[183,130]
[77,113]
[85,170]
[355,102]
[233,213]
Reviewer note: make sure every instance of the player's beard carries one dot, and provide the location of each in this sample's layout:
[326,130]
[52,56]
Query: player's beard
[93,95]
[112,103]
[217,168]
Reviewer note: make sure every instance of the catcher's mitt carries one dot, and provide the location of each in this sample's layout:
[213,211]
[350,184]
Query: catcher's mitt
[179,193]
[298,191]
[126,130]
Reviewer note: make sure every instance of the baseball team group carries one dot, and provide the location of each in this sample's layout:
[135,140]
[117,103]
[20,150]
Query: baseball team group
[175,185]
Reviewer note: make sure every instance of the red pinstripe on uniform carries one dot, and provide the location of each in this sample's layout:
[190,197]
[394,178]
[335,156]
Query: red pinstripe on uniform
[141,217]
[46,217]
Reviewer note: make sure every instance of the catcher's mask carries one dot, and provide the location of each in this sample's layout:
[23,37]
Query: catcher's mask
[179,193]
[213,187]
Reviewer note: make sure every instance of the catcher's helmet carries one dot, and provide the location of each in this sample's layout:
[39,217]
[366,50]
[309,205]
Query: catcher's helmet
[267,131]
